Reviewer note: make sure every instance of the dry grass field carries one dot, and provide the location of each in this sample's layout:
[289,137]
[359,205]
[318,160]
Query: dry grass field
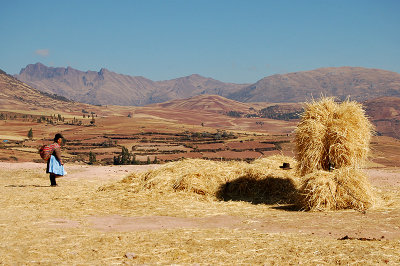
[94,218]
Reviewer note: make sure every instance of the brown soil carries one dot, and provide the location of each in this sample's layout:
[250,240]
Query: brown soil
[332,225]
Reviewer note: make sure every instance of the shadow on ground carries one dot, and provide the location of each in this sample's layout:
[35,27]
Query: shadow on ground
[270,190]
[26,186]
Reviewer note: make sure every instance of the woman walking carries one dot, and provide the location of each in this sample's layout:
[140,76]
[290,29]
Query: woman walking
[55,165]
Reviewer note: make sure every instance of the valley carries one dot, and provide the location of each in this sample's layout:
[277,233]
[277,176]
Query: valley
[203,126]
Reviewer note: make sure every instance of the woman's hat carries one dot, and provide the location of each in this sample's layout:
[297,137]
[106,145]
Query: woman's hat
[285,166]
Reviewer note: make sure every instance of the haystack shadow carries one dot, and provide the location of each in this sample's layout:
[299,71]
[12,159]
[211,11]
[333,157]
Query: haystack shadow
[270,190]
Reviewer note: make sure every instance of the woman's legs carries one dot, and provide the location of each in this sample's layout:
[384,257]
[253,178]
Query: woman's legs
[53,180]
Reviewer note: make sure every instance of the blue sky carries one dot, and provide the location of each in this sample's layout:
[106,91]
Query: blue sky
[229,40]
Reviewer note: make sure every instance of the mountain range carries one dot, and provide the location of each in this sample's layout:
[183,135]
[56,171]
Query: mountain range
[15,95]
[355,82]
[109,88]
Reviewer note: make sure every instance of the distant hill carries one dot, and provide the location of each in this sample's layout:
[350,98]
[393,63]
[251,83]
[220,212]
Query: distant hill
[222,105]
[190,86]
[384,113]
[18,96]
[109,88]
[358,83]
[209,103]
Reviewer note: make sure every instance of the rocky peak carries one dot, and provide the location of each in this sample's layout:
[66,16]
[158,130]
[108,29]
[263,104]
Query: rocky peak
[103,71]
[39,71]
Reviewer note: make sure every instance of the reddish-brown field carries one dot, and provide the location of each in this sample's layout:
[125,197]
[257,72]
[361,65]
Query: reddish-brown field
[150,136]
[147,135]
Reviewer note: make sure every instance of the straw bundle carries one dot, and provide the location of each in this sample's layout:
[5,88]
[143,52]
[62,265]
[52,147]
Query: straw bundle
[353,189]
[349,136]
[332,134]
[345,188]
[317,191]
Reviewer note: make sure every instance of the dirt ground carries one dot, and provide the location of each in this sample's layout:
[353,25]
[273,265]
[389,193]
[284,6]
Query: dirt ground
[76,223]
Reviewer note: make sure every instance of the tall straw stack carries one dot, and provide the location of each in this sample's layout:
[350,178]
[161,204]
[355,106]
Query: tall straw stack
[333,135]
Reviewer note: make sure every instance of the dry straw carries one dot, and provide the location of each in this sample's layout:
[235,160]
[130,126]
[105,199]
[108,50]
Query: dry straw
[332,134]
[260,181]
[345,188]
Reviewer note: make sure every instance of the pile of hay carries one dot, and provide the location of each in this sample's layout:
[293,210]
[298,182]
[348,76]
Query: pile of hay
[197,176]
[333,135]
[226,180]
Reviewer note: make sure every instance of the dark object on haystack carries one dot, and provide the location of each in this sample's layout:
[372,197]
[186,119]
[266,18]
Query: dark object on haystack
[285,166]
